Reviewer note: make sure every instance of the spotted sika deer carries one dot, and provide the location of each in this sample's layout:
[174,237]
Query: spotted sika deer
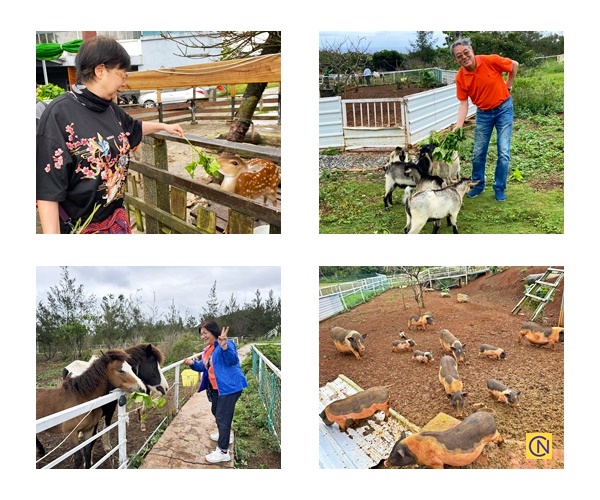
[251,179]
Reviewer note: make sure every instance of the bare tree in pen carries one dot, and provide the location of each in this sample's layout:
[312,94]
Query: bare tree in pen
[234,45]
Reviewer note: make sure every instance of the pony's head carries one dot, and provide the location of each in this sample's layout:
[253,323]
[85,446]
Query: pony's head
[145,359]
[117,376]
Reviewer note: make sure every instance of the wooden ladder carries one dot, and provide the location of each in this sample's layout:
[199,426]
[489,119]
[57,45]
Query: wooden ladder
[530,296]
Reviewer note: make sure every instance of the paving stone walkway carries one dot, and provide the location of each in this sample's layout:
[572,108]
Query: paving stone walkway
[186,441]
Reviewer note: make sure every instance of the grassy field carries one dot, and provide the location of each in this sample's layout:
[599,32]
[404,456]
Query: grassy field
[352,202]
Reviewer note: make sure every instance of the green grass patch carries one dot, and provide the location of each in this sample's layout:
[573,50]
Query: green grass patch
[250,424]
[49,374]
[352,202]
[540,90]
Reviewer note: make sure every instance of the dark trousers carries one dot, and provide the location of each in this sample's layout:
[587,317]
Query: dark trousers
[222,407]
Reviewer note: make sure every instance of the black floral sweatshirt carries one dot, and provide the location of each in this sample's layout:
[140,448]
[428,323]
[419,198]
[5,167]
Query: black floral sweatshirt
[83,144]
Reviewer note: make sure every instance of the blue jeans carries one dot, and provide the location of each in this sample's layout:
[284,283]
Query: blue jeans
[223,407]
[500,117]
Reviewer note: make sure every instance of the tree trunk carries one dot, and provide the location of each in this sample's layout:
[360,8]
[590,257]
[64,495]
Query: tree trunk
[243,117]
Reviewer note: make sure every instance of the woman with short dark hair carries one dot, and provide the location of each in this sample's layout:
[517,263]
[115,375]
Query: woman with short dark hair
[223,380]
[83,143]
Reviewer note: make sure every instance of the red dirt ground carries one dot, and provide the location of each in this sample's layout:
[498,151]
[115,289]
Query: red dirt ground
[416,393]
[374,92]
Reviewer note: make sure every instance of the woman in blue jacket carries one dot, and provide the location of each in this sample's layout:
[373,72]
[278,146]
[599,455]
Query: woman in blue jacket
[223,379]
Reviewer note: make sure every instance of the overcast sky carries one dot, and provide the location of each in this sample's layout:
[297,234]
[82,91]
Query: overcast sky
[376,40]
[189,287]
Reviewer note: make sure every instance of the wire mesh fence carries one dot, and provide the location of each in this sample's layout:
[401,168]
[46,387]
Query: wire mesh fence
[269,388]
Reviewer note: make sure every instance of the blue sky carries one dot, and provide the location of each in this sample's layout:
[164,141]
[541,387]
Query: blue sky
[376,40]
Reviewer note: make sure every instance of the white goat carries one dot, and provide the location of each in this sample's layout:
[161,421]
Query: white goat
[424,181]
[434,206]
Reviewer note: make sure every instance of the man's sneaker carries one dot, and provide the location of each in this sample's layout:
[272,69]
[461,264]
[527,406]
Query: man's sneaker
[474,192]
[500,196]
[218,456]
[215,437]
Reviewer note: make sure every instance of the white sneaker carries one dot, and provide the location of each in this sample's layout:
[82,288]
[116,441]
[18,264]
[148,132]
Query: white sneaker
[218,456]
[215,437]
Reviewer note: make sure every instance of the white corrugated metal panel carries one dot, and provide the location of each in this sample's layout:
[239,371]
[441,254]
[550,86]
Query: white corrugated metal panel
[331,134]
[374,137]
[433,110]
[330,306]
[358,448]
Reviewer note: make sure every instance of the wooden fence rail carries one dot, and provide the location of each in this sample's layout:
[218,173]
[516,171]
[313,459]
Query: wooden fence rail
[162,206]
[268,109]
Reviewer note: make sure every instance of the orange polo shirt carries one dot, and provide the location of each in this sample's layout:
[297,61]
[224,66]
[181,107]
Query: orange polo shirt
[485,86]
[211,369]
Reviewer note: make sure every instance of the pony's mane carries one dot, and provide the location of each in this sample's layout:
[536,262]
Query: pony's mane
[96,375]
[138,353]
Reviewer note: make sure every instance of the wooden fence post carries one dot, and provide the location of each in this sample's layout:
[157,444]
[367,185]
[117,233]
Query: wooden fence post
[154,152]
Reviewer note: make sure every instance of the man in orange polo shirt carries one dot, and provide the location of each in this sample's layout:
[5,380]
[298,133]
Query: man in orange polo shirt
[481,78]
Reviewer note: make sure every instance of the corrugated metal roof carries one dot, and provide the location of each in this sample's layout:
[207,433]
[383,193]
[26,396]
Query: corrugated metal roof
[359,447]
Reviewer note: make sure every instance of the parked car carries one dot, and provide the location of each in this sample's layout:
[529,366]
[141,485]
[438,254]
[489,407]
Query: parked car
[129,97]
[149,99]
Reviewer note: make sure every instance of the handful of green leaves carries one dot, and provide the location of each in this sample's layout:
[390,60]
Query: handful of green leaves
[208,163]
[146,400]
[446,144]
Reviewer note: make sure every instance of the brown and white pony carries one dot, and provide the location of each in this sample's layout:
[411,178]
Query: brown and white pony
[103,375]
[144,363]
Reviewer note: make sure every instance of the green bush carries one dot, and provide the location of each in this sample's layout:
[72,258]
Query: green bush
[271,351]
[540,91]
[186,346]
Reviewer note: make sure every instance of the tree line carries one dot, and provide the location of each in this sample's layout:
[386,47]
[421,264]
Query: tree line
[70,320]
[353,56]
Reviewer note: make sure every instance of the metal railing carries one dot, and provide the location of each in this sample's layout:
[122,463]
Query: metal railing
[57,418]
[46,423]
[334,299]
[269,387]
[268,377]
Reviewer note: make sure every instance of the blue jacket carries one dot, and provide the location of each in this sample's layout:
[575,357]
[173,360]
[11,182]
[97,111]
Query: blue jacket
[228,371]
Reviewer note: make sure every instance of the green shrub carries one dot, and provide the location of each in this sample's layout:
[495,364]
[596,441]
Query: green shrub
[182,348]
[540,91]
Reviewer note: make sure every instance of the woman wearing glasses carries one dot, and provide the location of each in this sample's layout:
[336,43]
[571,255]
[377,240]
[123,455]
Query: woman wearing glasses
[83,143]
[223,380]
